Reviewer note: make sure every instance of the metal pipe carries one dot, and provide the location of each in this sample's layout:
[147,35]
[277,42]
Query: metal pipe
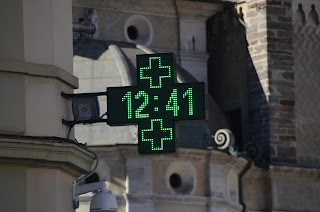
[177,31]
[84,27]
[241,174]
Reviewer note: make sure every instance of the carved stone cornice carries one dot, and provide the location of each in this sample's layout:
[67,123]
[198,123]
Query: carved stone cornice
[45,153]
[117,152]
[21,67]
[164,8]
[146,7]
[257,173]
[185,199]
[219,157]
[138,197]
[295,172]
[225,203]
[237,164]
[126,151]
[201,10]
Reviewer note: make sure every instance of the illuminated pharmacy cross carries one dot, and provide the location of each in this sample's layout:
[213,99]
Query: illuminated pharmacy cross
[156,103]
[157,127]
[155,72]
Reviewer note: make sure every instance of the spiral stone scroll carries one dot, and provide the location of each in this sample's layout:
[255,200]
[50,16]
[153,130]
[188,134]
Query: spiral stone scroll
[224,139]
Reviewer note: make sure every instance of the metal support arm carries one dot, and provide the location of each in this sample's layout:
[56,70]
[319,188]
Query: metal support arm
[82,189]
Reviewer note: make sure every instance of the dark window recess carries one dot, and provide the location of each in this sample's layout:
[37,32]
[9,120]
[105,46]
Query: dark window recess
[175,180]
[92,179]
[234,118]
[132,32]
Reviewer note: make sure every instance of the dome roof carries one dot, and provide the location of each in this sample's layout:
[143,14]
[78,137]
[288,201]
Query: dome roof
[102,64]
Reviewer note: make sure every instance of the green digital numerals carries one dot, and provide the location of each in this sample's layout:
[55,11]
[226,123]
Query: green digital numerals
[189,94]
[171,103]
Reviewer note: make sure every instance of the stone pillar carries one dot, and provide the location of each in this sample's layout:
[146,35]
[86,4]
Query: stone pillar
[35,66]
[225,177]
[37,163]
[37,175]
[281,82]
[139,194]
[258,89]
[271,80]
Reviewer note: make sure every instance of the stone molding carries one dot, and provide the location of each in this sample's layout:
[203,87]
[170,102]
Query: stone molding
[299,173]
[164,8]
[237,164]
[138,197]
[34,69]
[257,173]
[131,151]
[116,152]
[219,157]
[201,10]
[43,153]
[185,199]
[223,202]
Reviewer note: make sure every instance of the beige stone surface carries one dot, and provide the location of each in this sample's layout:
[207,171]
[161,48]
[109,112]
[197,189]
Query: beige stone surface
[37,36]
[11,18]
[37,175]
[13,188]
[294,188]
[47,32]
[12,108]
[142,183]
[49,190]
[306,39]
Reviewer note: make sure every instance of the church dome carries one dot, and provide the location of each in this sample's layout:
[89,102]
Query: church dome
[102,64]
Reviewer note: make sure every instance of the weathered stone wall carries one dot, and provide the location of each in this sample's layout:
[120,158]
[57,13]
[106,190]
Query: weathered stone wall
[306,40]
[281,81]
[271,86]
[227,71]
[254,14]
[193,180]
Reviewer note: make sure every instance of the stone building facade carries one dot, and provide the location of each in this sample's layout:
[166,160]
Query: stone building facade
[259,58]
[38,165]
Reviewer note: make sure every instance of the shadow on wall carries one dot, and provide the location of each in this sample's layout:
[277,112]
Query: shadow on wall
[235,85]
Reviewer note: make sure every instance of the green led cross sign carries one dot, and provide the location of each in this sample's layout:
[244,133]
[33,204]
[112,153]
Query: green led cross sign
[156,103]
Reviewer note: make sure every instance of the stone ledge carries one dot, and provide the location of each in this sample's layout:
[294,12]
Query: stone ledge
[223,202]
[41,153]
[16,66]
[155,8]
[125,151]
[295,172]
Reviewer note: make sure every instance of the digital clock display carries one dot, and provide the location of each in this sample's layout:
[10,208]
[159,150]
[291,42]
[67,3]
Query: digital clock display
[156,103]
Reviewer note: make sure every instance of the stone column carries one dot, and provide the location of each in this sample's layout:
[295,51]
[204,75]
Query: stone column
[271,80]
[139,194]
[281,82]
[37,175]
[35,66]
[37,163]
